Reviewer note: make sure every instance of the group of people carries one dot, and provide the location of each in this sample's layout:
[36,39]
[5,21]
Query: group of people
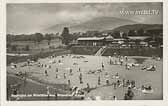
[120,60]
[116,84]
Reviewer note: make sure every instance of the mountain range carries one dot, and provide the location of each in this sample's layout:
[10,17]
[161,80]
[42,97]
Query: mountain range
[126,28]
[99,24]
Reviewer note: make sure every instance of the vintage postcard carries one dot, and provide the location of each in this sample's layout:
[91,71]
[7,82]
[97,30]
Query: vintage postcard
[84,51]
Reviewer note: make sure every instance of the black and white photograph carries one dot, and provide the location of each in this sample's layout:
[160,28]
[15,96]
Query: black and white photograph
[84,51]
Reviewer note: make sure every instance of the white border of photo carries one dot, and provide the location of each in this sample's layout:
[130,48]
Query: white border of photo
[4,102]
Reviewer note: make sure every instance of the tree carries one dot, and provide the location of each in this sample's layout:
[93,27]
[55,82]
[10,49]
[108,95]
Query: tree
[140,32]
[48,37]
[131,33]
[27,48]
[66,37]
[14,48]
[8,44]
[116,34]
[38,37]
[125,35]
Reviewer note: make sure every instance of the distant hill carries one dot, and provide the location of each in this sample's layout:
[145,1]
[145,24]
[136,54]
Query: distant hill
[56,28]
[126,28]
[99,23]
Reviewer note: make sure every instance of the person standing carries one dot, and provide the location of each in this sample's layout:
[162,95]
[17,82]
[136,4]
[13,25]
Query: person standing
[114,98]
[80,78]
[114,85]
[99,80]
[56,70]
[110,61]
[46,73]
[126,58]
[48,90]
[121,61]
[132,84]
[126,66]
[70,72]
[88,86]
[102,66]
[56,76]
[49,66]
[69,82]
[107,82]
[64,76]
[56,95]
[118,83]
[123,81]
[127,83]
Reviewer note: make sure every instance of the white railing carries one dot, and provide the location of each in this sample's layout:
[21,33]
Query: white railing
[100,51]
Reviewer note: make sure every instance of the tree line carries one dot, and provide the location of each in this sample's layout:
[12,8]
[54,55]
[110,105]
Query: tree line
[68,37]
[154,34]
[36,37]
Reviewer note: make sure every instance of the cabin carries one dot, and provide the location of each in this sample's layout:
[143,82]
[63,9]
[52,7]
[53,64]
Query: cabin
[130,41]
[138,40]
[100,41]
[91,41]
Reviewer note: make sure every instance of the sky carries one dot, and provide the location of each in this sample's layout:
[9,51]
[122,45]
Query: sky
[34,17]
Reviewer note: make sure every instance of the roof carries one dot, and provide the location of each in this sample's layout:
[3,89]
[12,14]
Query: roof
[109,38]
[138,37]
[119,39]
[90,38]
[143,43]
